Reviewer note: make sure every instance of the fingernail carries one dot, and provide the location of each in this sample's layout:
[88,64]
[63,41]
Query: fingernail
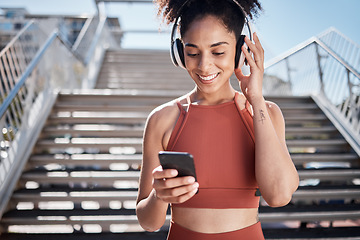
[173,172]
[191,180]
[196,185]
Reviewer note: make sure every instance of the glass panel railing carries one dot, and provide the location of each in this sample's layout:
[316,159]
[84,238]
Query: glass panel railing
[344,47]
[34,67]
[324,69]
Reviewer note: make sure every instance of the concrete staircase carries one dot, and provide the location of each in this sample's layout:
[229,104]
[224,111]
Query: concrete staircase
[81,180]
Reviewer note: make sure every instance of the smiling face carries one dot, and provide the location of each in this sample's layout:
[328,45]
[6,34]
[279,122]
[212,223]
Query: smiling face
[209,50]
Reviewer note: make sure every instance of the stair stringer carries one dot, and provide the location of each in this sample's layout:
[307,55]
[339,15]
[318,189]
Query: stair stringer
[339,122]
[27,139]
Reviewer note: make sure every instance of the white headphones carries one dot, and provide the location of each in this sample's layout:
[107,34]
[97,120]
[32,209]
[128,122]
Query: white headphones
[177,48]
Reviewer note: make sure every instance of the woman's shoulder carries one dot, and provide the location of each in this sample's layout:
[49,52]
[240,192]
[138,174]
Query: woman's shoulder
[167,111]
[275,113]
[273,108]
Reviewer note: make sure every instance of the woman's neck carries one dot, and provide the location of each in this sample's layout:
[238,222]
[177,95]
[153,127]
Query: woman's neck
[201,98]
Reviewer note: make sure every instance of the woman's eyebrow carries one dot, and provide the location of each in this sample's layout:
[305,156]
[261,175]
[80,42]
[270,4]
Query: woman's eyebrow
[191,45]
[211,46]
[218,44]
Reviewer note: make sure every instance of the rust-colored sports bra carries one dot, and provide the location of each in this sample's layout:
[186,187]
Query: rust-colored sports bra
[221,139]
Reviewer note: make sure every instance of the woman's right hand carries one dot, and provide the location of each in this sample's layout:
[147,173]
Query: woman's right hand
[172,189]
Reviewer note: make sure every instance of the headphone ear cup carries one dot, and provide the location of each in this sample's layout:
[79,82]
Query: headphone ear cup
[239,55]
[177,53]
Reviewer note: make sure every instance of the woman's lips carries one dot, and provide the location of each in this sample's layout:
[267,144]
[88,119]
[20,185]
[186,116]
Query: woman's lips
[208,78]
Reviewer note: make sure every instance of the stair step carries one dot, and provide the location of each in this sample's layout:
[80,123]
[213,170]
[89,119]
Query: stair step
[141,118]
[321,132]
[111,176]
[301,158]
[316,143]
[122,118]
[146,96]
[321,212]
[117,97]
[306,118]
[156,86]
[103,160]
[320,233]
[76,176]
[283,101]
[102,107]
[330,174]
[310,130]
[137,53]
[141,96]
[110,130]
[298,106]
[103,144]
[142,58]
[106,159]
[150,67]
[106,195]
[157,97]
[146,76]
[331,193]
[94,130]
[300,109]
[99,106]
[76,216]
[75,196]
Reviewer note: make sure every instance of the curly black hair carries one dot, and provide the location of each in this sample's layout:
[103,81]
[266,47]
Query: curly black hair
[226,10]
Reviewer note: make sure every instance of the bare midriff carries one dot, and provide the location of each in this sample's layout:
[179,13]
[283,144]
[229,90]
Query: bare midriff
[206,220]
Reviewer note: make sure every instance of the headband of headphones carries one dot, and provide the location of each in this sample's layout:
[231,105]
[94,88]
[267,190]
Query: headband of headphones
[177,48]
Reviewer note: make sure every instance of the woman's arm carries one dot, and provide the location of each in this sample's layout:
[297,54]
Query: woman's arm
[159,187]
[150,210]
[275,172]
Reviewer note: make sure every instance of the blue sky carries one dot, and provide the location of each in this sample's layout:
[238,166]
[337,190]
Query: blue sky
[282,25]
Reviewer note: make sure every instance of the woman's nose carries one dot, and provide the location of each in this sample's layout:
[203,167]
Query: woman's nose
[204,63]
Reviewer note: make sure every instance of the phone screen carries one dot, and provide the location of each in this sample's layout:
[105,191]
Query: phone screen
[181,161]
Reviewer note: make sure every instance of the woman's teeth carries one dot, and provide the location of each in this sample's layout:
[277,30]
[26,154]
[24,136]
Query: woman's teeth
[208,78]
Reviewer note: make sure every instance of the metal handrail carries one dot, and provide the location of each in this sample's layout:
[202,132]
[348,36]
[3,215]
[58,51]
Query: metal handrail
[288,53]
[17,36]
[99,29]
[82,34]
[306,44]
[14,92]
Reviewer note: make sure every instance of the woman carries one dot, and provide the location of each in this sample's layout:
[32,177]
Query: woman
[237,139]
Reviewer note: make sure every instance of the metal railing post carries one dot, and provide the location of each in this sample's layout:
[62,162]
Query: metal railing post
[321,74]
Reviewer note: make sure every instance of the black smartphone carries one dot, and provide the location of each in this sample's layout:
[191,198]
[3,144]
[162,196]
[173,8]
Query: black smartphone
[181,161]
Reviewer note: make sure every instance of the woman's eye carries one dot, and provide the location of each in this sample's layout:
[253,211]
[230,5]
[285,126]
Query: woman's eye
[218,53]
[192,54]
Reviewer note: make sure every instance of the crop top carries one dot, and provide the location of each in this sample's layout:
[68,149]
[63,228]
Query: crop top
[221,140]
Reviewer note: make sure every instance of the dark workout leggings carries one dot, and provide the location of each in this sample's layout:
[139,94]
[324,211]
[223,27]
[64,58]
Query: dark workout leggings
[253,232]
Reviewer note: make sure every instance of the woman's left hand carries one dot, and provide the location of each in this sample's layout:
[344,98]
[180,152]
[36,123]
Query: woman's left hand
[251,85]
